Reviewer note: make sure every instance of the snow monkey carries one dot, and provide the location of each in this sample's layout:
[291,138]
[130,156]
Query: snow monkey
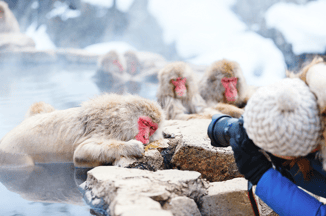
[110,72]
[132,62]
[222,84]
[8,22]
[109,129]
[177,92]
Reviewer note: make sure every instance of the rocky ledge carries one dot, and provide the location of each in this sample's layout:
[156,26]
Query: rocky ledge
[180,176]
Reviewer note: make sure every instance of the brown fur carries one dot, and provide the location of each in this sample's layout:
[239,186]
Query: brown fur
[175,106]
[213,92]
[101,131]
[8,22]
[37,108]
[211,88]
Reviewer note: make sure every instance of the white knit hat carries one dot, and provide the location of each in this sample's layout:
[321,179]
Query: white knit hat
[283,118]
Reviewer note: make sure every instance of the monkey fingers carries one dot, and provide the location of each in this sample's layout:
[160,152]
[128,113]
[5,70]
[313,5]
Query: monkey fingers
[96,151]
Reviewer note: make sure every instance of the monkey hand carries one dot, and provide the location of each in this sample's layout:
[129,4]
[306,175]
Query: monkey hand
[134,148]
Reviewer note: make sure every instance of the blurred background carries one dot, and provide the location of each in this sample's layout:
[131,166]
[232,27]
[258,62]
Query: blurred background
[51,55]
[263,36]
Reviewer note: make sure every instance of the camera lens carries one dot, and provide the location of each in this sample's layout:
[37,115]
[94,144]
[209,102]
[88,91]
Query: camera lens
[217,130]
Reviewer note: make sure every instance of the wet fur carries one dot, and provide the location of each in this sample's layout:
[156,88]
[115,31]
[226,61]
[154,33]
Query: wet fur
[179,107]
[101,131]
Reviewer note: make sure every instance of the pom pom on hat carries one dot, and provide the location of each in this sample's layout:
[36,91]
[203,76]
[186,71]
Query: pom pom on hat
[283,118]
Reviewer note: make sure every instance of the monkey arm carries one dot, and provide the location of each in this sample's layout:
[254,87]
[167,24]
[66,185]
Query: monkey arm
[229,109]
[173,108]
[98,151]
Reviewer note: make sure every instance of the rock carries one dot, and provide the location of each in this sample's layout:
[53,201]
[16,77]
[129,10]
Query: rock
[77,56]
[8,22]
[195,152]
[182,206]
[226,198]
[11,41]
[264,209]
[28,55]
[152,160]
[141,192]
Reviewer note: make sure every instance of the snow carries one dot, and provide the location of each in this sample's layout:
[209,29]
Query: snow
[62,9]
[207,31]
[103,48]
[303,26]
[122,5]
[40,37]
[101,3]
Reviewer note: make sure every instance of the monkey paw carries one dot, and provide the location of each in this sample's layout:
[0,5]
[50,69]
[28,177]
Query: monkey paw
[135,149]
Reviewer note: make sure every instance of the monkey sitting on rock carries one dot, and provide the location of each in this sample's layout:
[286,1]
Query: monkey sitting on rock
[177,92]
[224,87]
[109,129]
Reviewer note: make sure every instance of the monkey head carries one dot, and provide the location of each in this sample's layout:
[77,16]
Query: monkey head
[132,61]
[111,63]
[146,128]
[176,80]
[2,14]
[223,82]
[124,117]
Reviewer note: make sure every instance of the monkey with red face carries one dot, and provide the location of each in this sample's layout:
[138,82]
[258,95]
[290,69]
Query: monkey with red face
[178,93]
[110,73]
[224,87]
[109,129]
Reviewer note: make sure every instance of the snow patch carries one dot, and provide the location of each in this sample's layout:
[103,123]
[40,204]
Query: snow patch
[103,48]
[62,10]
[40,37]
[206,31]
[102,3]
[303,26]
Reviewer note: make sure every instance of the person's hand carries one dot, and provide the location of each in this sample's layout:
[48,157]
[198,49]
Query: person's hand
[250,161]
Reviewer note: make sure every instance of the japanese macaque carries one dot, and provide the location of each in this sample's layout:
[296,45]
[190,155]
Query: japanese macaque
[37,108]
[222,85]
[109,129]
[177,92]
[8,22]
[110,73]
[132,62]
[314,75]
[116,73]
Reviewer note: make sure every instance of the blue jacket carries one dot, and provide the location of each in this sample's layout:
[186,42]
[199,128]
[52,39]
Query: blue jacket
[285,198]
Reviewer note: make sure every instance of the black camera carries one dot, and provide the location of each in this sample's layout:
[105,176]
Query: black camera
[220,129]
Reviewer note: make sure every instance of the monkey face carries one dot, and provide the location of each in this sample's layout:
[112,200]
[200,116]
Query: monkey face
[146,128]
[180,86]
[117,66]
[230,85]
[2,14]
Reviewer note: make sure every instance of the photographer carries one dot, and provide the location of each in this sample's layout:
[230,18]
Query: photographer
[283,150]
